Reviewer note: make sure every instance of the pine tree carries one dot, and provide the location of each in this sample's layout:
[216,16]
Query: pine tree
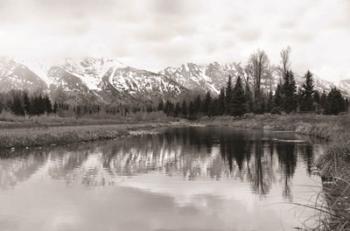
[346,105]
[197,105]
[317,101]
[184,109]
[191,110]
[288,93]
[249,98]
[228,96]
[55,107]
[47,104]
[160,106]
[177,109]
[16,106]
[307,91]
[278,99]
[207,104]
[169,108]
[26,103]
[221,102]
[335,102]
[214,107]
[238,103]
[299,98]
[323,101]
[269,104]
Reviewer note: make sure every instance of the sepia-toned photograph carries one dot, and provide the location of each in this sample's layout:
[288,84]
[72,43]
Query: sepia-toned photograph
[174,115]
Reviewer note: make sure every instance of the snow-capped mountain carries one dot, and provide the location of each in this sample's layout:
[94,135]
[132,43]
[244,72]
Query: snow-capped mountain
[90,80]
[144,84]
[214,76]
[194,77]
[106,80]
[344,85]
[90,70]
[14,75]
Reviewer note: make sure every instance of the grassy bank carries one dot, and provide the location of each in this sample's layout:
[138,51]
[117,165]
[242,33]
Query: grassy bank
[29,137]
[8,120]
[334,166]
[327,127]
[20,132]
[40,136]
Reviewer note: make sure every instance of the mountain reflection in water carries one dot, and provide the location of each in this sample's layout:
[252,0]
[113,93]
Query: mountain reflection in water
[261,160]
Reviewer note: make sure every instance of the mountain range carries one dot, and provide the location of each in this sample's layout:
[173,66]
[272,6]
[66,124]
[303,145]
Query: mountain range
[106,80]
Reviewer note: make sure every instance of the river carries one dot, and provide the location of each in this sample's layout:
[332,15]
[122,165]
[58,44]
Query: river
[178,179]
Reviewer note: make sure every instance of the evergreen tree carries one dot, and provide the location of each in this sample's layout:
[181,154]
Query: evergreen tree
[160,106]
[191,110]
[1,104]
[249,98]
[197,105]
[346,106]
[221,102]
[16,106]
[307,91]
[335,102]
[169,108]
[47,104]
[299,98]
[207,104]
[228,96]
[238,103]
[323,101]
[177,109]
[214,107]
[26,103]
[317,100]
[184,109]
[278,98]
[269,104]
[289,93]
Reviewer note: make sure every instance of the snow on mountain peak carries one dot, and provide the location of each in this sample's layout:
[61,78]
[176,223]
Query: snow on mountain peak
[91,70]
[39,67]
[112,80]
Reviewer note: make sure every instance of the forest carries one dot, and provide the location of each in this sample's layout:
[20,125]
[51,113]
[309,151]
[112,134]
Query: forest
[237,100]
[247,95]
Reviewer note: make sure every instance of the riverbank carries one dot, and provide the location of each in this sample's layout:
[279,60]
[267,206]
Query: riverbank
[45,130]
[326,127]
[9,120]
[59,135]
[334,165]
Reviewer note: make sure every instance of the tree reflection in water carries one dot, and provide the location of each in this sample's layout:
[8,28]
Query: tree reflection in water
[194,153]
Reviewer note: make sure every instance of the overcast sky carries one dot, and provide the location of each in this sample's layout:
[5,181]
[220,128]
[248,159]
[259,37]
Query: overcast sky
[153,34]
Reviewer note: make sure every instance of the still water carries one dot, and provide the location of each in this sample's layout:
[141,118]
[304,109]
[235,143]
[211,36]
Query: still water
[179,179]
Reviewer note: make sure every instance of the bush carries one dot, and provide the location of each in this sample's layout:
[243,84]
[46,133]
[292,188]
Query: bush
[276,111]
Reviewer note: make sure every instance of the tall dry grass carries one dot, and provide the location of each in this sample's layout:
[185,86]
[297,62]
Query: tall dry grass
[335,172]
[9,120]
[44,136]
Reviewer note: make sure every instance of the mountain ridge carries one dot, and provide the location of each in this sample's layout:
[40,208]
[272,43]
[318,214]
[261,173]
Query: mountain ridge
[107,80]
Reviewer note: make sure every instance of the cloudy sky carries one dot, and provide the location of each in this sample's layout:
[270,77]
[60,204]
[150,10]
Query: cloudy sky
[153,34]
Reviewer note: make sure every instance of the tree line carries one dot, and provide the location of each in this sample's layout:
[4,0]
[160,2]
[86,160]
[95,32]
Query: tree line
[21,103]
[247,95]
[237,100]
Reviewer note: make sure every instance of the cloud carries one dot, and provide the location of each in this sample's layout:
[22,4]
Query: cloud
[156,33]
[170,7]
